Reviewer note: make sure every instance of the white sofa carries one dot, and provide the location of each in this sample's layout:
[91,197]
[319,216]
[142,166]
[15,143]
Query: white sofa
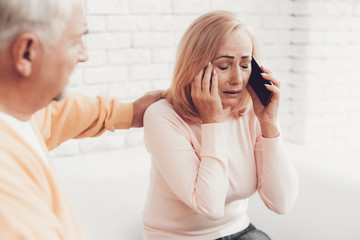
[108,190]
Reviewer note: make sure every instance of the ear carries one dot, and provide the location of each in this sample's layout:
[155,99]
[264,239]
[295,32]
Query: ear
[24,53]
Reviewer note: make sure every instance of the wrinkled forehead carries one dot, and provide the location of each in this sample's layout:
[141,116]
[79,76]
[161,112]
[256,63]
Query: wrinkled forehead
[237,41]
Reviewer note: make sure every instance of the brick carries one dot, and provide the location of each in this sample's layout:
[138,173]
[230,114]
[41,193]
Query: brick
[177,37]
[164,84]
[170,22]
[106,74]
[347,23]
[277,50]
[265,7]
[271,36]
[128,23]
[129,90]
[164,55]
[236,6]
[102,41]
[130,56]
[278,22]
[357,9]
[278,64]
[308,8]
[96,58]
[90,90]
[285,7]
[150,72]
[153,39]
[322,23]
[253,22]
[190,6]
[354,38]
[96,23]
[338,8]
[76,77]
[303,36]
[311,46]
[150,6]
[107,7]
[312,51]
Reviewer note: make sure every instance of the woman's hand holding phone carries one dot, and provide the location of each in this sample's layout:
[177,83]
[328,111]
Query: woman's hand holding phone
[267,115]
[205,96]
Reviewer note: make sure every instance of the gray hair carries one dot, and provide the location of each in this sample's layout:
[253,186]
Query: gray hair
[45,18]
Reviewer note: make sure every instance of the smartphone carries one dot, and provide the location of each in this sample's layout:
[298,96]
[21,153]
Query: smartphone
[256,81]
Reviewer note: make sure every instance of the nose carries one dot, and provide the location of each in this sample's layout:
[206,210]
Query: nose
[236,76]
[82,54]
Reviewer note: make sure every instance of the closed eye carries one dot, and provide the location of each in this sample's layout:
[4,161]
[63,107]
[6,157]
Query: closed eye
[223,68]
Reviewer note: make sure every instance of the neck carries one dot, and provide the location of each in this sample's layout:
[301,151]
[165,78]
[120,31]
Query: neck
[13,101]
[16,113]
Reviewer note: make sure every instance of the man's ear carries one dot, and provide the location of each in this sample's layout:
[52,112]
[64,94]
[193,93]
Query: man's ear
[24,52]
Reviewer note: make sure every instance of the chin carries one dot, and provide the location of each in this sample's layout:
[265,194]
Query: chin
[231,104]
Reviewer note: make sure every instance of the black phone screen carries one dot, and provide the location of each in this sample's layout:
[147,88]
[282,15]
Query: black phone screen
[256,81]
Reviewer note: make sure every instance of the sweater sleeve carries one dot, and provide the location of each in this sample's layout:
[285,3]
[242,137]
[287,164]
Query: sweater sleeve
[198,180]
[277,178]
[28,210]
[79,116]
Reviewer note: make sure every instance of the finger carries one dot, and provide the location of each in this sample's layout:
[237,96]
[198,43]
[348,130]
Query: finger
[206,79]
[265,69]
[275,90]
[271,78]
[193,89]
[214,84]
[197,82]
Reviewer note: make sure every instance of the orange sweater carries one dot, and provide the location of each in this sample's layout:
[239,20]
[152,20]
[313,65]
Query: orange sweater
[32,203]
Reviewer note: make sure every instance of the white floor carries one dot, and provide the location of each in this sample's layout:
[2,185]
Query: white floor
[108,190]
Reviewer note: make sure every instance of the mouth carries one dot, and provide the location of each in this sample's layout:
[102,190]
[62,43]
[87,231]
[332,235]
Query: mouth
[232,93]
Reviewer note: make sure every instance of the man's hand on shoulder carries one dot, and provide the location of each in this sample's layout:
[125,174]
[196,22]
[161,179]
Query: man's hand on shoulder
[141,104]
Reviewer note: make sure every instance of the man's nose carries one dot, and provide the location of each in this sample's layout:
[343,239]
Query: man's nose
[83,55]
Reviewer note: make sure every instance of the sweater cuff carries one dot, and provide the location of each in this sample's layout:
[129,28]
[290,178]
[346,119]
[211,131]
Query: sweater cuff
[125,112]
[272,145]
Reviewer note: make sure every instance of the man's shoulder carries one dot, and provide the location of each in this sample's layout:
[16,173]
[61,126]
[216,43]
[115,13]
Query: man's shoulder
[10,142]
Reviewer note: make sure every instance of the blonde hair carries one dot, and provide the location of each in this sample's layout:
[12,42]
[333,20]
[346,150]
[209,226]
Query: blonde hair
[198,46]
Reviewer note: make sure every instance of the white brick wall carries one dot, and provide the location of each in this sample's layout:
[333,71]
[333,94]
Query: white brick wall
[312,46]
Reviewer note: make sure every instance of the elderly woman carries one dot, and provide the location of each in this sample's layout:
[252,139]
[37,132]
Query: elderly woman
[212,142]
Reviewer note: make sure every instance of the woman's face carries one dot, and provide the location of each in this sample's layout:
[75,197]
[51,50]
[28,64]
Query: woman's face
[233,66]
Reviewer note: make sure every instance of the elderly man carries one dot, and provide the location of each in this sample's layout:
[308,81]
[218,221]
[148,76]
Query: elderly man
[40,45]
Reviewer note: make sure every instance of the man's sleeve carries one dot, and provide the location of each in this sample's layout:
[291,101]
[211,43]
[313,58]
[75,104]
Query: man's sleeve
[79,116]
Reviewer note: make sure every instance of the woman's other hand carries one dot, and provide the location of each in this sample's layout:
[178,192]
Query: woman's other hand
[267,115]
[205,96]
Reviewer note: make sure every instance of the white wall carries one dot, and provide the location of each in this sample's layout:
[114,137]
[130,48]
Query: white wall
[312,46]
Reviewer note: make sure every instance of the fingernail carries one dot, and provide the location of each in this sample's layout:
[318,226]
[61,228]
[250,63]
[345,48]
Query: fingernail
[209,63]
[263,73]
[215,72]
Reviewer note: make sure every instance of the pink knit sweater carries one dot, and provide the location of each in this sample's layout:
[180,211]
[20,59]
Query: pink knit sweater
[202,175]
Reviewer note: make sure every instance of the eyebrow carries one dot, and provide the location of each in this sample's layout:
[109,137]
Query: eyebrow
[232,57]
